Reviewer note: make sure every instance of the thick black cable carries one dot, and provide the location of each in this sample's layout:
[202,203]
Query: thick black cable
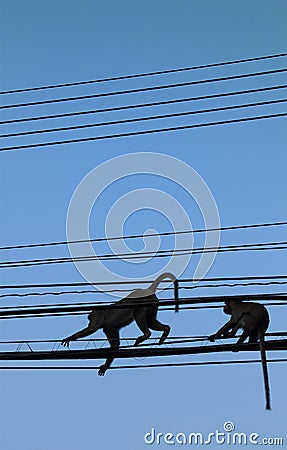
[145,89]
[140,255]
[70,308]
[140,366]
[144,119]
[105,283]
[136,236]
[144,366]
[144,132]
[84,313]
[145,74]
[143,105]
[170,339]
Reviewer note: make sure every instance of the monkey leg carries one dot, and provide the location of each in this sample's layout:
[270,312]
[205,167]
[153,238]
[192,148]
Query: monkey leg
[113,336]
[242,338]
[253,336]
[154,324]
[90,329]
[141,321]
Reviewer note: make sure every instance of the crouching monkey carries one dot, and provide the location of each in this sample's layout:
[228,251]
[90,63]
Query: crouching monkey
[253,318]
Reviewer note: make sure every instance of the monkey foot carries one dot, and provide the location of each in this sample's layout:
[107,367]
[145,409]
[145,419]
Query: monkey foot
[102,371]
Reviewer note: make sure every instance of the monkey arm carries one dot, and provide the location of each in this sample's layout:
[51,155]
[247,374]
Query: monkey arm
[228,326]
[80,334]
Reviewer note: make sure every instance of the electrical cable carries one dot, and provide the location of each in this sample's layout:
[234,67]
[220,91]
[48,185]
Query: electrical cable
[104,283]
[144,366]
[109,291]
[145,74]
[174,339]
[142,255]
[144,132]
[19,312]
[144,119]
[137,236]
[143,105]
[28,315]
[145,89]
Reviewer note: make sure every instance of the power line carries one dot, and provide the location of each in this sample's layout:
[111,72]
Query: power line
[145,366]
[170,339]
[104,283]
[109,291]
[123,353]
[143,105]
[144,119]
[145,74]
[140,133]
[136,236]
[141,255]
[146,89]
[50,310]
[167,308]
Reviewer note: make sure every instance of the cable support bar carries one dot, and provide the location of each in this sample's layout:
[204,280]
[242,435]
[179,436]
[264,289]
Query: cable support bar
[144,119]
[144,132]
[139,255]
[138,303]
[137,236]
[101,353]
[104,283]
[143,105]
[145,89]
[109,291]
[145,74]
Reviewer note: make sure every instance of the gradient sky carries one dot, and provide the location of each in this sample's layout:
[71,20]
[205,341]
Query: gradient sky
[244,165]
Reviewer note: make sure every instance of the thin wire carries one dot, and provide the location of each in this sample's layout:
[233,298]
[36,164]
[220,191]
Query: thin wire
[143,105]
[144,366]
[145,74]
[109,291]
[104,283]
[136,236]
[143,119]
[140,255]
[146,89]
[140,133]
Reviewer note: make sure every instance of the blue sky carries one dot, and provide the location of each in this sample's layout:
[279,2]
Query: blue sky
[244,166]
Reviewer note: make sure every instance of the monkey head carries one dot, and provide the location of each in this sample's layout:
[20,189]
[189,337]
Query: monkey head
[230,305]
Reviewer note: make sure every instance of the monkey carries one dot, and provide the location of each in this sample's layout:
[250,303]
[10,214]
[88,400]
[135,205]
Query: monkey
[111,320]
[253,318]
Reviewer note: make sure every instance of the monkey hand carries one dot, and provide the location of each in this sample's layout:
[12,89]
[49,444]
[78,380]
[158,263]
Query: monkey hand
[65,342]
[102,370]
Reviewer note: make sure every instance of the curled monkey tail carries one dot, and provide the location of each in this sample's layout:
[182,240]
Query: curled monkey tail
[265,372]
[172,278]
